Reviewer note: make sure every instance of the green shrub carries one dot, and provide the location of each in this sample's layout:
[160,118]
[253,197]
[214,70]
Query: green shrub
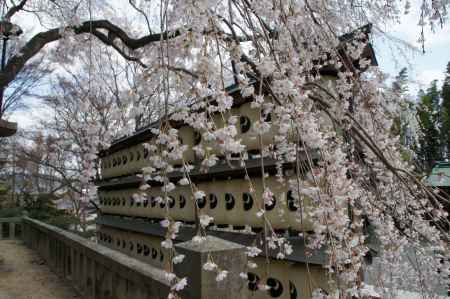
[11,212]
[63,221]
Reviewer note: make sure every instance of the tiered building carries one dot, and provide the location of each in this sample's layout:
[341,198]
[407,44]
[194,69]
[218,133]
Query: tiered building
[132,226]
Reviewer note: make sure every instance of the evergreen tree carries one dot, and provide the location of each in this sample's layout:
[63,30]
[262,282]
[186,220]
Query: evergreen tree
[434,94]
[400,84]
[400,123]
[428,116]
[445,114]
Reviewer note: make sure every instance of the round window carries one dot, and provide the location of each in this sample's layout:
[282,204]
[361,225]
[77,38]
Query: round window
[229,201]
[291,201]
[270,206]
[245,124]
[182,201]
[197,138]
[276,288]
[212,201]
[253,281]
[247,200]
[201,202]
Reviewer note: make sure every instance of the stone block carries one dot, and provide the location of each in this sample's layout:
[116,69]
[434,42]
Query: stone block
[227,255]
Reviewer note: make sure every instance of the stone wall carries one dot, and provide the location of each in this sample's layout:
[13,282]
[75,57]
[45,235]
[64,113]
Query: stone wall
[95,271]
[99,272]
[10,228]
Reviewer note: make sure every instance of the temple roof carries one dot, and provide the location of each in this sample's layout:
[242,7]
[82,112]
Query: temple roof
[440,175]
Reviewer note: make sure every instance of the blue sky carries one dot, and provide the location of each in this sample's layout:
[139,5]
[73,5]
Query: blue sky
[422,68]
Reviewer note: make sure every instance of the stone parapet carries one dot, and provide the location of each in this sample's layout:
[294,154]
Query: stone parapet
[100,272]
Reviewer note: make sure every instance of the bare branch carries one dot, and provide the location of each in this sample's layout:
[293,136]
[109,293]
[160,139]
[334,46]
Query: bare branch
[111,43]
[133,4]
[13,10]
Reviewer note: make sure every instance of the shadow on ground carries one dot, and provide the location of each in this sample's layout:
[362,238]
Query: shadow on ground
[23,275]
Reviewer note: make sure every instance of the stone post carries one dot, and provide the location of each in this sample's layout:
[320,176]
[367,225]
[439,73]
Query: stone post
[12,230]
[202,284]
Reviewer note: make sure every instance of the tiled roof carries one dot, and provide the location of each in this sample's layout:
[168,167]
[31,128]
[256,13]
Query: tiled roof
[440,175]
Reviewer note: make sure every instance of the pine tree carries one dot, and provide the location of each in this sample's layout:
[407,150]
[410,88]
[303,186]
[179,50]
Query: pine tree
[402,121]
[400,88]
[428,116]
[400,84]
[445,114]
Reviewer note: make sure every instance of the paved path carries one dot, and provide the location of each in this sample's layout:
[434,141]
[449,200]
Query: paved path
[23,275]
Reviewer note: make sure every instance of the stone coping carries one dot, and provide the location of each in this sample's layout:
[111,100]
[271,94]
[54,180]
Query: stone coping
[116,261]
[11,219]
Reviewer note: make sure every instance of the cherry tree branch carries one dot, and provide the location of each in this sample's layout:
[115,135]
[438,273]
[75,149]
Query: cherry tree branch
[107,41]
[36,43]
[13,10]
[115,33]
[133,4]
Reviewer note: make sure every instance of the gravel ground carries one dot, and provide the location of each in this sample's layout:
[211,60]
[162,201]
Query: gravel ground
[23,275]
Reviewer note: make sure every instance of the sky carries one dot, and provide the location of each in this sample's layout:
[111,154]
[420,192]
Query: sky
[392,57]
[422,67]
